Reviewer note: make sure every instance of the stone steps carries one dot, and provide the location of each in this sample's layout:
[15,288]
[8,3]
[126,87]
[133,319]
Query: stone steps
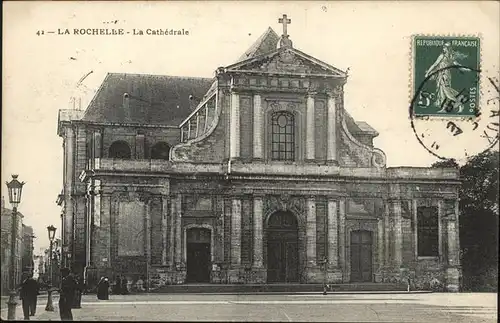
[277,288]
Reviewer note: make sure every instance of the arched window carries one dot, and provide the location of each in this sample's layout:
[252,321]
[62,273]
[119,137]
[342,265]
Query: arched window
[160,150]
[282,136]
[119,149]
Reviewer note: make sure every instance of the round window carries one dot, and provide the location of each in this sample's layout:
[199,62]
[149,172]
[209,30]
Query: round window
[282,121]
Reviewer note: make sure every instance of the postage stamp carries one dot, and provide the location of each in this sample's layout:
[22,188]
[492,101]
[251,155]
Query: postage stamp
[454,106]
[446,76]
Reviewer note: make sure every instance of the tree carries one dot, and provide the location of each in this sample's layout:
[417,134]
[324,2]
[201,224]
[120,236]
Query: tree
[478,219]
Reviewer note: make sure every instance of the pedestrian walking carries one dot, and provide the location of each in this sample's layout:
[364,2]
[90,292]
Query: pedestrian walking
[103,289]
[139,285]
[29,290]
[117,289]
[78,292]
[124,287]
[66,295]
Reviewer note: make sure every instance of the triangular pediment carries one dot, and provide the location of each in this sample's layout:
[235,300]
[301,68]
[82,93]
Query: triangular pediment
[286,60]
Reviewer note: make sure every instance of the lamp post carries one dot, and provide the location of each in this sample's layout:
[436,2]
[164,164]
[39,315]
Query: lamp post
[15,189]
[52,232]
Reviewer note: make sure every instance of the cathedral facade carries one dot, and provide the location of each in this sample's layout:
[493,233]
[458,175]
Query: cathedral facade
[257,175]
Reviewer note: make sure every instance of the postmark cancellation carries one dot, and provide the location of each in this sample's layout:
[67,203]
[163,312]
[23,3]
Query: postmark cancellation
[454,104]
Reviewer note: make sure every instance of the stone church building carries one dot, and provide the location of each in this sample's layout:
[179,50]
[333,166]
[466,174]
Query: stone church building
[257,175]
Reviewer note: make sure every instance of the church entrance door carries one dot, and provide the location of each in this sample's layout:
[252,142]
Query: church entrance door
[282,248]
[198,255]
[361,256]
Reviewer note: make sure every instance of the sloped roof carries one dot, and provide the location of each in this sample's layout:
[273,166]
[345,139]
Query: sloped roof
[359,127]
[153,99]
[267,42]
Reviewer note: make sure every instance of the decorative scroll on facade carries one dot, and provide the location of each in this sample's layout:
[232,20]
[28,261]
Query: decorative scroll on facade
[200,121]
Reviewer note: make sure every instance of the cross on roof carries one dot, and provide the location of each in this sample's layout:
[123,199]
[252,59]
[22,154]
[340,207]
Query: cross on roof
[285,21]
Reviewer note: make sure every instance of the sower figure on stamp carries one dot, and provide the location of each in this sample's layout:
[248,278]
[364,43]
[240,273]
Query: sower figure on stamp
[66,295]
[28,293]
[442,76]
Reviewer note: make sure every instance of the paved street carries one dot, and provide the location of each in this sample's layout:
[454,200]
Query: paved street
[423,307]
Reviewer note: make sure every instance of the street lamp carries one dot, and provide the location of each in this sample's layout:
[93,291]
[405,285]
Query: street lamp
[15,189]
[52,233]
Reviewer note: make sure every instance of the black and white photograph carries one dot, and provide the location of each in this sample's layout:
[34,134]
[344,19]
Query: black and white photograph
[285,161]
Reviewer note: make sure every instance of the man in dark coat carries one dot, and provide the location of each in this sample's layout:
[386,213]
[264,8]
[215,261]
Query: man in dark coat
[66,295]
[103,289]
[78,292]
[117,290]
[124,287]
[28,294]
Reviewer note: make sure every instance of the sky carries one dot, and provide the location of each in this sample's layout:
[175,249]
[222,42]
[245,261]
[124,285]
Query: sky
[371,39]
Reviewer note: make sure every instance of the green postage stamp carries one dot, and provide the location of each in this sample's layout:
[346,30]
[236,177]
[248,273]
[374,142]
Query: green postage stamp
[445,76]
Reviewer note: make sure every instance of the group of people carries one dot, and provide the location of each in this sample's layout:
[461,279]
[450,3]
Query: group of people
[70,294]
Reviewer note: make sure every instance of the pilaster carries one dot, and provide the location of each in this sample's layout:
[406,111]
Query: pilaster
[310,140]
[97,144]
[398,233]
[258,232]
[178,231]
[311,231]
[172,240]
[234,135]
[453,267]
[164,230]
[332,234]
[139,146]
[68,228]
[380,249]
[257,127]
[236,233]
[332,128]
[342,237]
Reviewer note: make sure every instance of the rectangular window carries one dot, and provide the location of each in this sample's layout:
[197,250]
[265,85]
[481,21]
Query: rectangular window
[428,231]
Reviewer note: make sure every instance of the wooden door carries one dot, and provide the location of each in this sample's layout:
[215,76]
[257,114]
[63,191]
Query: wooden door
[361,256]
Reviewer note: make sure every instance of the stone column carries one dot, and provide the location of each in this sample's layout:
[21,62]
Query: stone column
[105,231]
[139,146]
[380,243]
[310,142]
[333,227]
[257,127]
[148,237]
[97,144]
[68,191]
[342,235]
[311,231]
[398,234]
[453,265]
[414,206]
[234,134]
[332,128]
[164,230]
[441,218]
[387,234]
[178,230]
[173,215]
[236,232]
[257,232]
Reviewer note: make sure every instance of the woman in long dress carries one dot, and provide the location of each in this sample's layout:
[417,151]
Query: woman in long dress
[442,76]
[103,289]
